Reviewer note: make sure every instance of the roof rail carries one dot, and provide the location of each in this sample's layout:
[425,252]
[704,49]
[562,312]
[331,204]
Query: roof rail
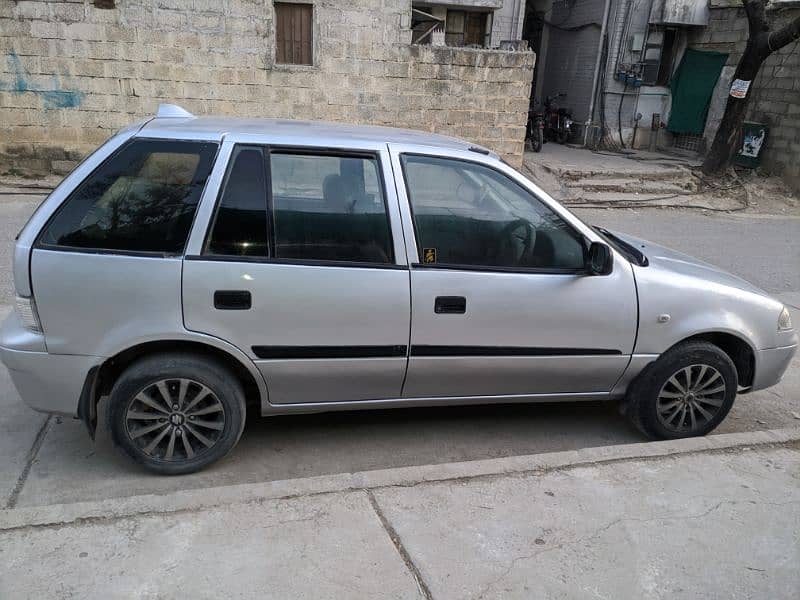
[172,111]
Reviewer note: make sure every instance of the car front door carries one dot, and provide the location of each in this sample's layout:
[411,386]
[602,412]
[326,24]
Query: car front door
[300,270]
[502,304]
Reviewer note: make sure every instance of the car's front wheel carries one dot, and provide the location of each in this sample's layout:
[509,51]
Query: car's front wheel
[687,392]
[176,413]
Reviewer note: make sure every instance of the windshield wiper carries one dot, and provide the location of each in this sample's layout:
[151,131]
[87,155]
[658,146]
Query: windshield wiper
[632,253]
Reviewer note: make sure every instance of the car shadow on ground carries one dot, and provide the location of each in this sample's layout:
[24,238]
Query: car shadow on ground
[69,467]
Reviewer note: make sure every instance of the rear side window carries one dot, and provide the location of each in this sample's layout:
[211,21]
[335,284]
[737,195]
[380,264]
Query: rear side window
[240,226]
[142,199]
[329,208]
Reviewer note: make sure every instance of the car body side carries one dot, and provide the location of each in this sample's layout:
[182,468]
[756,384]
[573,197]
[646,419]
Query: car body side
[141,304]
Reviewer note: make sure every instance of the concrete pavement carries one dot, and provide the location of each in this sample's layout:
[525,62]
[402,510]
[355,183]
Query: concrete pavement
[378,504]
[711,517]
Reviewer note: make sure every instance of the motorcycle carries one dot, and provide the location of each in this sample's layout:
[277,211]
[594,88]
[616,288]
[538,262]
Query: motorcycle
[534,132]
[558,121]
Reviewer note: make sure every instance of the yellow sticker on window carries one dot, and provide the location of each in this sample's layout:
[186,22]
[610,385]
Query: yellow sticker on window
[429,255]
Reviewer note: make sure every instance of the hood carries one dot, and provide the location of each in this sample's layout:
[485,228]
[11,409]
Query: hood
[666,259]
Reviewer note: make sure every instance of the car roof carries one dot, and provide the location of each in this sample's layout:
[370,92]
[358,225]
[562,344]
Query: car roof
[174,122]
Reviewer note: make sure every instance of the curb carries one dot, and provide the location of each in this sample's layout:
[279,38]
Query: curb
[58,515]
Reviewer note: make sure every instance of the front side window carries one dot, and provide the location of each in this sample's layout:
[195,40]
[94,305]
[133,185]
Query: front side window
[240,225]
[470,215]
[142,199]
[329,208]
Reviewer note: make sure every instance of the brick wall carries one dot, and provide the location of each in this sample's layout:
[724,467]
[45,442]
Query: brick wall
[71,73]
[774,95]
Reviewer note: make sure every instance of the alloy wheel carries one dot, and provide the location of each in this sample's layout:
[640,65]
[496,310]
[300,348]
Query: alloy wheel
[691,398]
[175,420]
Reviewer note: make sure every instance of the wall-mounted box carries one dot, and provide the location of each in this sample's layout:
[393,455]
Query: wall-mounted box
[680,12]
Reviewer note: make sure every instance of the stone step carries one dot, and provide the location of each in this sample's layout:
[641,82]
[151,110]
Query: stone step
[625,185]
[625,198]
[655,174]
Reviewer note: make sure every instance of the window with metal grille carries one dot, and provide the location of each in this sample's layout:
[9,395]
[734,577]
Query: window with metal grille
[659,56]
[467,28]
[689,141]
[461,27]
[294,33]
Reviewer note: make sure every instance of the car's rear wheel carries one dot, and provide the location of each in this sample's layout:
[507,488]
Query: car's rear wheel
[687,392]
[175,413]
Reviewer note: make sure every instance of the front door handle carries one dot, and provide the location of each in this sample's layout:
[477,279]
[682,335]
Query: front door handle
[450,305]
[232,300]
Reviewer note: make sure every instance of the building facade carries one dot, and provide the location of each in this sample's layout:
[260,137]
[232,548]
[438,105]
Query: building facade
[775,99]
[75,71]
[619,62]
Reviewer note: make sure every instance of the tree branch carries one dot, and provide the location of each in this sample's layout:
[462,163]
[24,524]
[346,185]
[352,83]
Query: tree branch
[785,35]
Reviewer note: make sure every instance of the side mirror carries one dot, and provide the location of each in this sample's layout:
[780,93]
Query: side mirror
[599,259]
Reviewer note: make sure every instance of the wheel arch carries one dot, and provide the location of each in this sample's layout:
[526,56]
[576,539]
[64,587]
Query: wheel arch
[101,379]
[738,349]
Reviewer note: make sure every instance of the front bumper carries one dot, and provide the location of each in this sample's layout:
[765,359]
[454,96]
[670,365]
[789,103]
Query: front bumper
[771,364]
[46,382]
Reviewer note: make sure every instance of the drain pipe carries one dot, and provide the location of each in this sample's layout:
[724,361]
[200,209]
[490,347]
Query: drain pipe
[596,78]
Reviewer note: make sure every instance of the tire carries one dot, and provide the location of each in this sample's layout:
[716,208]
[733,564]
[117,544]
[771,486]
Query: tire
[537,139]
[204,428]
[562,136]
[661,390]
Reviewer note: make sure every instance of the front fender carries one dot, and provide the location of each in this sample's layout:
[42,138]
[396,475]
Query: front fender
[673,307]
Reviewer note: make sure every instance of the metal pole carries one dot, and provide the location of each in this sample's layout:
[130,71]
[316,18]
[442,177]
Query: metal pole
[596,77]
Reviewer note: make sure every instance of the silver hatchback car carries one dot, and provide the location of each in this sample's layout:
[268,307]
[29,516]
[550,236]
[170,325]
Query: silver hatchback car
[193,269]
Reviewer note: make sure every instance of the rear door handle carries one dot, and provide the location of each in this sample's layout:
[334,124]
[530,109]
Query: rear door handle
[232,300]
[450,305]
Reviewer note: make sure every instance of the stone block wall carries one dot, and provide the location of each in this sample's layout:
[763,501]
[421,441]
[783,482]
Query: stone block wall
[774,95]
[72,73]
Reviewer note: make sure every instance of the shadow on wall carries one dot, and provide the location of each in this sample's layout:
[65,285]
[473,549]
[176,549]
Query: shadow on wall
[51,98]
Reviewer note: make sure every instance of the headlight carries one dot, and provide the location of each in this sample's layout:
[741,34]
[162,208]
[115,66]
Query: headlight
[784,320]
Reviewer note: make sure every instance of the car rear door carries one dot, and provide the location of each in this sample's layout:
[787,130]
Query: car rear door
[300,269]
[501,302]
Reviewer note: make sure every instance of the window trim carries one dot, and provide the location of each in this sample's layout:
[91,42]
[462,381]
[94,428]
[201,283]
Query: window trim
[499,269]
[314,36]
[38,244]
[298,262]
[269,150]
[418,264]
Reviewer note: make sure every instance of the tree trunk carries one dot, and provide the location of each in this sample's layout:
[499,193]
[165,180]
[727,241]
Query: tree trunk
[760,44]
[725,141]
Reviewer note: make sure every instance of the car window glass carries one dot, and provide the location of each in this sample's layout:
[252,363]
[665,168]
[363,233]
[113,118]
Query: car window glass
[329,208]
[143,198]
[471,215]
[240,225]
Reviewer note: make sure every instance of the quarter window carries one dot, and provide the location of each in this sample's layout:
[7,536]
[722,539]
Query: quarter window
[142,199]
[470,215]
[329,208]
[240,225]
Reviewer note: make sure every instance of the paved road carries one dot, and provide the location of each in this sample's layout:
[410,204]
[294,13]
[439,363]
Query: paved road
[66,466]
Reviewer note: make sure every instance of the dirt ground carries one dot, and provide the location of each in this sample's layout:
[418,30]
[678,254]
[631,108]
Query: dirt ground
[579,177]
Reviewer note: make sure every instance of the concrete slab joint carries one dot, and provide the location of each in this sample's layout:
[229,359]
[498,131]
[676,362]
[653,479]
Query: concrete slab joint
[532,465]
[619,522]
